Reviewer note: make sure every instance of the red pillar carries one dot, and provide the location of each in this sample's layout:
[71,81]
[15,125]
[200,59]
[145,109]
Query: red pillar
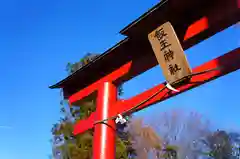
[104,133]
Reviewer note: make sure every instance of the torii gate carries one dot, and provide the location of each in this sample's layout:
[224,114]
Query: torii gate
[193,22]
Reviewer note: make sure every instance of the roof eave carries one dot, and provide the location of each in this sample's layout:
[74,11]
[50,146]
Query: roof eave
[143,16]
[101,56]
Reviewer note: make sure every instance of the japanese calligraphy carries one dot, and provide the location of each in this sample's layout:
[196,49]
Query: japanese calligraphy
[164,44]
[169,53]
[173,69]
[161,36]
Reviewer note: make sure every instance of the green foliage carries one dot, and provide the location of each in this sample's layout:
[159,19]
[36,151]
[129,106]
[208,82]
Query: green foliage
[73,67]
[121,149]
[170,152]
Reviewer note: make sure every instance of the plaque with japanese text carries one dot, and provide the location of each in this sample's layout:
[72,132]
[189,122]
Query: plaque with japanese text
[169,53]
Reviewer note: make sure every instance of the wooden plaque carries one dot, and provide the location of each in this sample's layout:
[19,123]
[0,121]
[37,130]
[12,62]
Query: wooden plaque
[169,53]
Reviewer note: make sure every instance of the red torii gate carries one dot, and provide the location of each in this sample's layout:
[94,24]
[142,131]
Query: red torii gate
[193,22]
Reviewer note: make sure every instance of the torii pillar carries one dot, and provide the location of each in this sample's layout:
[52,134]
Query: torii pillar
[104,133]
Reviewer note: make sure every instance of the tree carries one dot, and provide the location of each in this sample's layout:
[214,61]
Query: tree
[173,134]
[80,146]
[223,145]
[220,145]
[89,57]
[235,140]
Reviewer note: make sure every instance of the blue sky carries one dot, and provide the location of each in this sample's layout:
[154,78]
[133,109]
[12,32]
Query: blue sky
[38,38]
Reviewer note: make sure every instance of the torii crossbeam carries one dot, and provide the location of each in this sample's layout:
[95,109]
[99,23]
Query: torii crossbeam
[193,22]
